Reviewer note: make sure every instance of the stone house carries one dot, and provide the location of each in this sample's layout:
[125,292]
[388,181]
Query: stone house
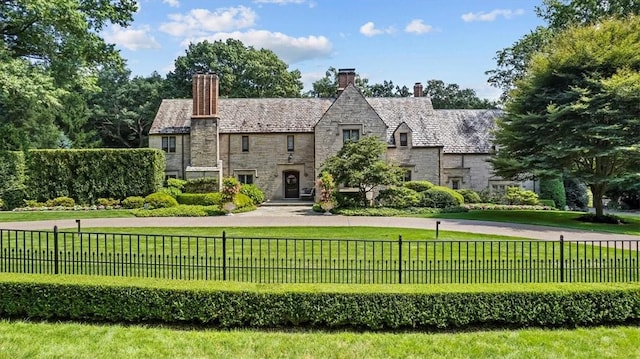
[280,144]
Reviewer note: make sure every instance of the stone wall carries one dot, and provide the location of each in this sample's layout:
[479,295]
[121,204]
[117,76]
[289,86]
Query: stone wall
[268,158]
[350,111]
[176,161]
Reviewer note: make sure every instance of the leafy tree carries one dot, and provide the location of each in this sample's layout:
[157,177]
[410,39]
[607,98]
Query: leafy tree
[577,109]
[49,51]
[360,164]
[243,71]
[28,102]
[327,87]
[559,15]
[123,111]
[451,96]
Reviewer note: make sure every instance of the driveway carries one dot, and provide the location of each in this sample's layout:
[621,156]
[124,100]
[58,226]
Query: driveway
[302,215]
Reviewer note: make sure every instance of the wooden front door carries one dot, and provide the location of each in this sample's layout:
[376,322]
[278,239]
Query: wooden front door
[291,184]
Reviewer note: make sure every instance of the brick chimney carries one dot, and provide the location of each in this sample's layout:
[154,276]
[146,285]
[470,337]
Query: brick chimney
[417,90]
[205,95]
[345,77]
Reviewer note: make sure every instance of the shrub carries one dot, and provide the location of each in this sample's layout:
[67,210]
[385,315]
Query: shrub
[554,189]
[469,195]
[201,185]
[489,196]
[347,199]
[176,183]
[160,200]
[398,197]
[61,202]
[547,203]
[12,178]
[230,187]
[176,305]
[441,197]
[242,201]
[108,202]
[516,195]
[171,191]
[1,204]
[605,218]
[419,186]
[179,211]
[253,192]
[133,202]
[576,193]
[200,199]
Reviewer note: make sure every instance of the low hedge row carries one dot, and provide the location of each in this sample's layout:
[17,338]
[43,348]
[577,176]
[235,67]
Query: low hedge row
[269,309]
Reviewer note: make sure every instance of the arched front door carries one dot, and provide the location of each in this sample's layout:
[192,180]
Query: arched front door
[291,184]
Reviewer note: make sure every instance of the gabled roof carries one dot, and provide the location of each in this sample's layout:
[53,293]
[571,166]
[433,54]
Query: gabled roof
[457,131]
[245,115]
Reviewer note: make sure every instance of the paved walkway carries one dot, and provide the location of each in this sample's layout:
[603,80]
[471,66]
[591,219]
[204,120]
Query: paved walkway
[274,216]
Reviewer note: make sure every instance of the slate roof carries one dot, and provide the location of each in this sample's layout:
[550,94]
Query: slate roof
[245,115]
[457,131]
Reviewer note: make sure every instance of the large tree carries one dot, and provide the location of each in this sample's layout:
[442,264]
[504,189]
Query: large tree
[327,87]
[123,111]
[50,51]
[558,15]
[243,71]
[451,96]
[360,164]
[577,109]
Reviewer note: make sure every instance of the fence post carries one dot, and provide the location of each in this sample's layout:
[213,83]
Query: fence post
[437,229]
[400,259]
[55,249]
[561,258]
[78,223]
[224,255]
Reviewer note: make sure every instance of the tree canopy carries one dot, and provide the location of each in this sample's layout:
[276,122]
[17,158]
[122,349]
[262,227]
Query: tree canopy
[513,61]
[451,96]
[360,164]
[49,53]
[243,71]
[577,109]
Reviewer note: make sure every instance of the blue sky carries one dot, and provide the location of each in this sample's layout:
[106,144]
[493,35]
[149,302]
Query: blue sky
[404,41]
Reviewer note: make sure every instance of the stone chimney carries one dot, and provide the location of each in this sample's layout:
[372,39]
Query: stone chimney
[205,95]
[417,90]
[345,77]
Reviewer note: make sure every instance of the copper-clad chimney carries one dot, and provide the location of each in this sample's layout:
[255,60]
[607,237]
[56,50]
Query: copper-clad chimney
[345,77]
[205,95]
[417,90]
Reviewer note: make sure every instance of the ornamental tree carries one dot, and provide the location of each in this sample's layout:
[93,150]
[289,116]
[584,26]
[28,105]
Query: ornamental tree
[360,164]
[577,110]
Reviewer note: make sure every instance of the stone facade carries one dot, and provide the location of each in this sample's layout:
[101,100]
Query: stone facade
[281,144]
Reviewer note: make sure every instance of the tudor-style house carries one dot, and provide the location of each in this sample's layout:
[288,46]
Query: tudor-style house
[279,144]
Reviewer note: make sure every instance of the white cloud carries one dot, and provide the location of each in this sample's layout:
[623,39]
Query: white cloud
[199,22]
[418,27]
[369,30]
[130,38]
[491,16]
[172,3]
[289,49]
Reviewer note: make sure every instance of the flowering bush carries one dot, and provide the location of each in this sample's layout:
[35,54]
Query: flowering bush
[505,207]
[326,185]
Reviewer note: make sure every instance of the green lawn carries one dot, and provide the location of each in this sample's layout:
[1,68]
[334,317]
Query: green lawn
[28,340]
[563,219]
[9,216]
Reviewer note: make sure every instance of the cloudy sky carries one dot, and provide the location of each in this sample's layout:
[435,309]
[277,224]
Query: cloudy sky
[404,41]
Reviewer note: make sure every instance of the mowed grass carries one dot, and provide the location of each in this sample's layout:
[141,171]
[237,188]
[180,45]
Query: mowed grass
[9,216]
[28,340]
[562,219]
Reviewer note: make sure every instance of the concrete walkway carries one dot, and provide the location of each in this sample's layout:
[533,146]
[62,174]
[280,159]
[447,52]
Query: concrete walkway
[292,215]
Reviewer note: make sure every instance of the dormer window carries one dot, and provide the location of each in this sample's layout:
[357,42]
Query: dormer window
[404,139]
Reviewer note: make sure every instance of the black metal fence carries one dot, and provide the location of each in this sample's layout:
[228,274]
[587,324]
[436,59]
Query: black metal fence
[288,260]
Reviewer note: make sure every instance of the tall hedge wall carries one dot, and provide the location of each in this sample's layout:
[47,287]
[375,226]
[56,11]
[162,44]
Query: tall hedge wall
[12,178]
[84,175]
[89,174]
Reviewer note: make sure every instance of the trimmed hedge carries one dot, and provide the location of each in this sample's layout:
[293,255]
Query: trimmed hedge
[200,199]
[89,174]
[180,211]
[317,309]
[201,185]
[12,179]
